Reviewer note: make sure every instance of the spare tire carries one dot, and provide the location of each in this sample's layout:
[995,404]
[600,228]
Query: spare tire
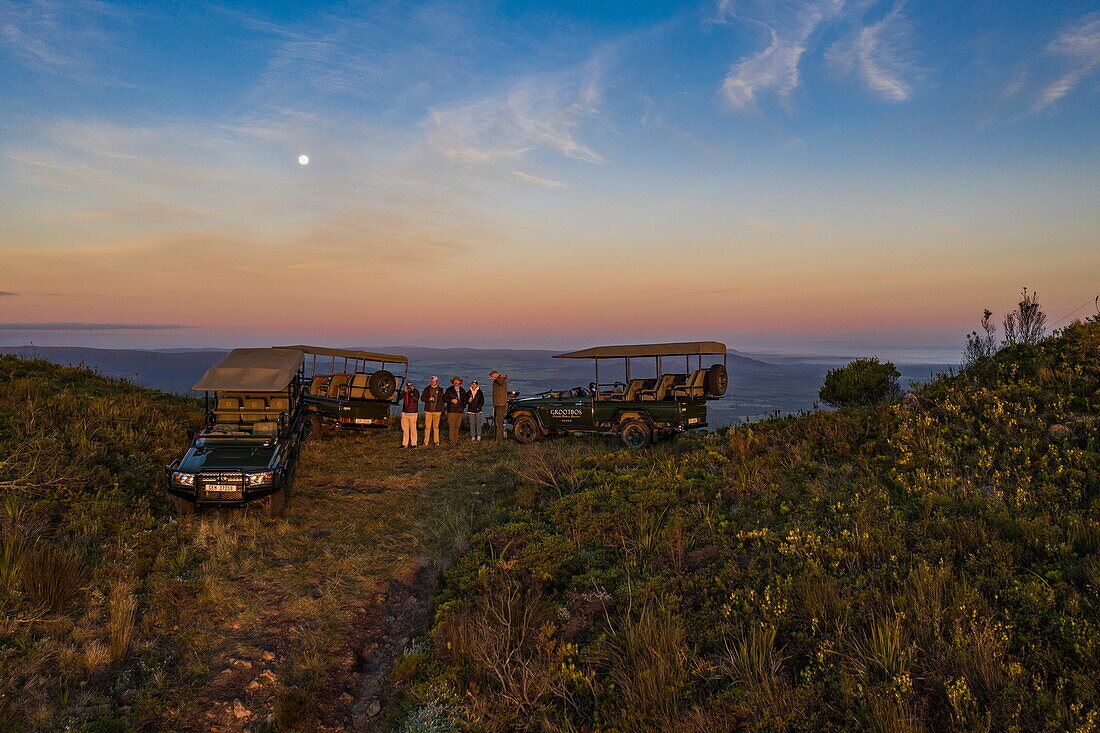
[382,384]
[717,380]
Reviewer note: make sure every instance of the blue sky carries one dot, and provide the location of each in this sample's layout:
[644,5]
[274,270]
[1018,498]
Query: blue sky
[819,174]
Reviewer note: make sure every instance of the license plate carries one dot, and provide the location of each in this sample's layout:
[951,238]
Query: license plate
[692,420]
[363,421]
[222,487]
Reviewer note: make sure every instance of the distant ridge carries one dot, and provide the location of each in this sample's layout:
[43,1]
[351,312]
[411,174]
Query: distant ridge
[758,388]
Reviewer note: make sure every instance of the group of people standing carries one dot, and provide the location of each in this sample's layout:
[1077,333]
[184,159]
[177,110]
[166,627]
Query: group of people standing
[458,403]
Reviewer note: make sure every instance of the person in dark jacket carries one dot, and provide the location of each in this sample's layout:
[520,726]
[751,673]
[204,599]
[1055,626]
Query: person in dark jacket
[474,402]
[455,399]
[500,402]
[410,411]
[432,397]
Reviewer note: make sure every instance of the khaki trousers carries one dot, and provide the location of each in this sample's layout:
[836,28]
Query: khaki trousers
[454,425]
[498,422]
[431,425]
[408,428]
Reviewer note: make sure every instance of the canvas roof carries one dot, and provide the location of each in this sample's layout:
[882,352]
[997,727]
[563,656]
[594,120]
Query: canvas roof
[349,354]
[252,370]
[676,349]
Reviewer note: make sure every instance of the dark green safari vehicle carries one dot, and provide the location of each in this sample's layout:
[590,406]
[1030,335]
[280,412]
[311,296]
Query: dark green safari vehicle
[639,411]
[345,391]
[250,442]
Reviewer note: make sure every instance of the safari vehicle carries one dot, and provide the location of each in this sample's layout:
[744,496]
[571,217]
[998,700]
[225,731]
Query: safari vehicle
[348,394]
[250,442]
[639,411]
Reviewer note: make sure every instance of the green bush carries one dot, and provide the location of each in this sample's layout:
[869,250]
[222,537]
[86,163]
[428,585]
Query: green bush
[863,382]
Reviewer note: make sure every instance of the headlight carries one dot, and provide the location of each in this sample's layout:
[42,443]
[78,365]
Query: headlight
[179,478]
[258,479]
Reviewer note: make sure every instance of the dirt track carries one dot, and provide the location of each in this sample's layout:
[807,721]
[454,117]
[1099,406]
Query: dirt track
[299,621]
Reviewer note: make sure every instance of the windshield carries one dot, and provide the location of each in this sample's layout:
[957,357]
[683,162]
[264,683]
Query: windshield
[201,458]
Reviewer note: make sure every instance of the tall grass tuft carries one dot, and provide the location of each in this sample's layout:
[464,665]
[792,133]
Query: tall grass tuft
[649,659]
[754,662]
[122,608]
[51,577]
[12,550]
[883,655]
[553,467]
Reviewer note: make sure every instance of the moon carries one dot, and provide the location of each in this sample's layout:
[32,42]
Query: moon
[303,160]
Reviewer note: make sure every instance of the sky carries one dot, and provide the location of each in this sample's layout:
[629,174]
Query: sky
[794,176]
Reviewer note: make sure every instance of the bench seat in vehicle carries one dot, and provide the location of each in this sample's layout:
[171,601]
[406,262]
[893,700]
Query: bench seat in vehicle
[660,390]
[694,387]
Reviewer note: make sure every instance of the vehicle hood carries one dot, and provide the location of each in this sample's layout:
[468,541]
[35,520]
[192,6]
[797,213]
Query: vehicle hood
[528,400]
[228,457]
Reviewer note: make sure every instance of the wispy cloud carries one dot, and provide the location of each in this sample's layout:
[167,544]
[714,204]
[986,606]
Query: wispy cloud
[1078,47]
[542,113]
[7,294]
[64,37]
[775,69]
[880,56]
[536,181]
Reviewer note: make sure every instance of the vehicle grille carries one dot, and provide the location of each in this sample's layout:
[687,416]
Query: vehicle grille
[229,478]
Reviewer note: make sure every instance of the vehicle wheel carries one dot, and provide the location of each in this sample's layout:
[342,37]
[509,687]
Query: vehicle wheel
[181,505]
[635,434]
[718,380]
[382,384]
[525,429]
[275,505]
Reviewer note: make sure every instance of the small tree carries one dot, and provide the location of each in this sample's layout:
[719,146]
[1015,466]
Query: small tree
[1027,323]
[862,382]
[979,346]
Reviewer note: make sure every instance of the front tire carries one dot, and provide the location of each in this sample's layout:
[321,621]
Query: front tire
[525,429]
[182,506]
[636,435]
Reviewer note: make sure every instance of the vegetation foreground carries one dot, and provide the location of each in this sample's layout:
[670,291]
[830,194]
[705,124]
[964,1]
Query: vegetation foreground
[115,615]
[930,564]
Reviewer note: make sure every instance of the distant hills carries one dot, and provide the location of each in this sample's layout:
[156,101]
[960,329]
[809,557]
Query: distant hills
[759,387]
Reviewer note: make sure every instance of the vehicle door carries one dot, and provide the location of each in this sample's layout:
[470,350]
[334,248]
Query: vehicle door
[572,409]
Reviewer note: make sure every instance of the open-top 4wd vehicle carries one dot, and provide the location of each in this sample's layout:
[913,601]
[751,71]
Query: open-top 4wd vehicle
[345,392]
[637,410]
[249,445]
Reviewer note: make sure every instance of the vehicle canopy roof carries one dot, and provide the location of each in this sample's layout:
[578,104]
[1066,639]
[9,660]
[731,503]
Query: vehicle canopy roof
[349,354]
[252,370]
[685,348]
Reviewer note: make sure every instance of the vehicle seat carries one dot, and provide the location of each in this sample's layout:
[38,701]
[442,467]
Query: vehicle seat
[612,395]
[632,390]
[338,381]
[228,403]
[265,429]
[255,403]
[282,404]
[229,418]
[317,386]
[693,387]
[358,389]
[659,391]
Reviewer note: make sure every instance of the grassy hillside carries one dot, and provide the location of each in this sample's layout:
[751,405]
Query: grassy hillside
[116,616]
[81,533]
[928,565]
